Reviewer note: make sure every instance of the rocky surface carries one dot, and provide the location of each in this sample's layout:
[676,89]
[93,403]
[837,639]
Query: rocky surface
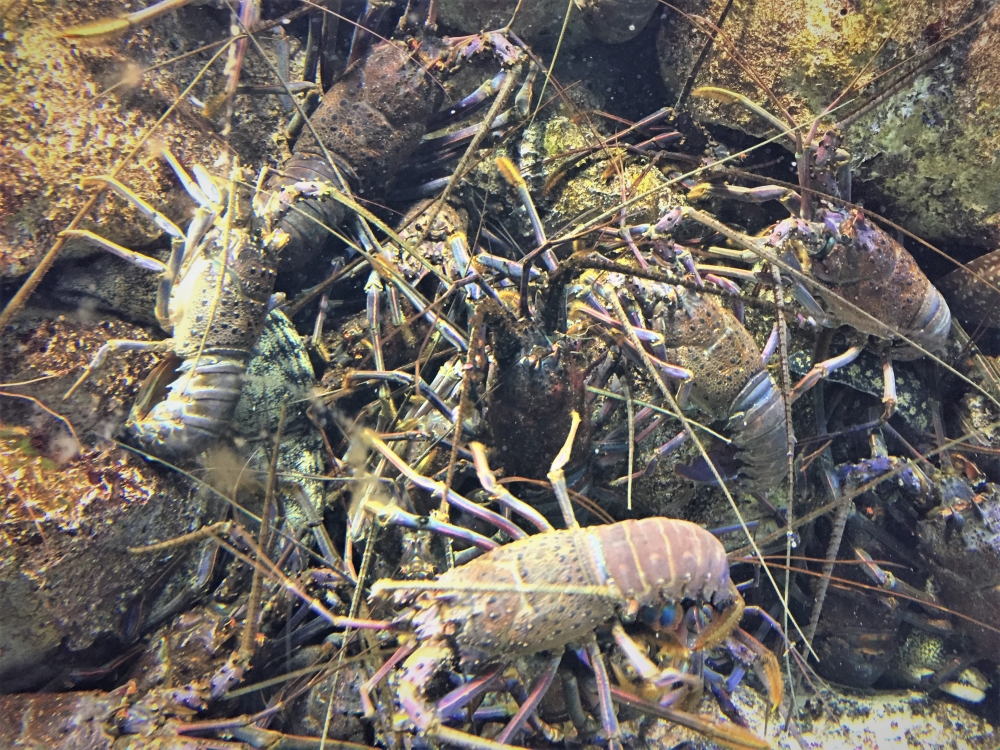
[73,111]
[926,149]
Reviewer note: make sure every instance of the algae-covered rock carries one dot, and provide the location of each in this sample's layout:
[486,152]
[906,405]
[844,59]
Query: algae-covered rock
[70,112]
[538,23]
[570,178]
[927,147]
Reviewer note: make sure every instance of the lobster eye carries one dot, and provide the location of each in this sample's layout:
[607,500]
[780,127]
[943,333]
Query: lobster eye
[648,615]
[668,616]
[818,252]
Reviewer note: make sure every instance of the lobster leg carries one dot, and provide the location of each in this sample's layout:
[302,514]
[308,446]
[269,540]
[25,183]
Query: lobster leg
[138,259]
[106,29]
[667,448]
[763,662]
[420,666]
[459,245]
[823,369]
[246,18]
[202,188]
[509,268]
[788,198]
[889,379]
[472,103]
[452,497]
[373,292]
[118,345]
[203,191]
[609,719]
[558,477]
[500,493]
[644,666]
[664,450]
[644,334]
[733,289]
[512,175]
[168,272]
[534,698]
[466,106]
[453,703]
[770,347]
[365,691]
[574,706]
[720,627]
[389,514]
[436,150]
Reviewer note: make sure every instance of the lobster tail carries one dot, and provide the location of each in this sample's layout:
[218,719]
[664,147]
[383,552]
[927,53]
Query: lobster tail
[930,327]
[759,432]
[657,559]
[195,408]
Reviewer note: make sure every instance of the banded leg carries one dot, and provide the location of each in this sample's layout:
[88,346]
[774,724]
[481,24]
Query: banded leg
[467,106]
[440,147]
[512,175]
[823,369]
[609,719]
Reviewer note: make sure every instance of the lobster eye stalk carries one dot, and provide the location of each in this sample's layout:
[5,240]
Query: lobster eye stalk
[821,248]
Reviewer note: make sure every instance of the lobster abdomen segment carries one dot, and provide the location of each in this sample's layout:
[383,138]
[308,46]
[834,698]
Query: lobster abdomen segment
[660,559]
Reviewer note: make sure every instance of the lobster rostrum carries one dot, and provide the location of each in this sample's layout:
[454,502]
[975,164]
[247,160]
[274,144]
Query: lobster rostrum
[551,590]
[213,297]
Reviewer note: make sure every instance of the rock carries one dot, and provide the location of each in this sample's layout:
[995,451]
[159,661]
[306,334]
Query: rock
[67,581]
[62,122]
[926,152]
[840,718]
[537,23]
